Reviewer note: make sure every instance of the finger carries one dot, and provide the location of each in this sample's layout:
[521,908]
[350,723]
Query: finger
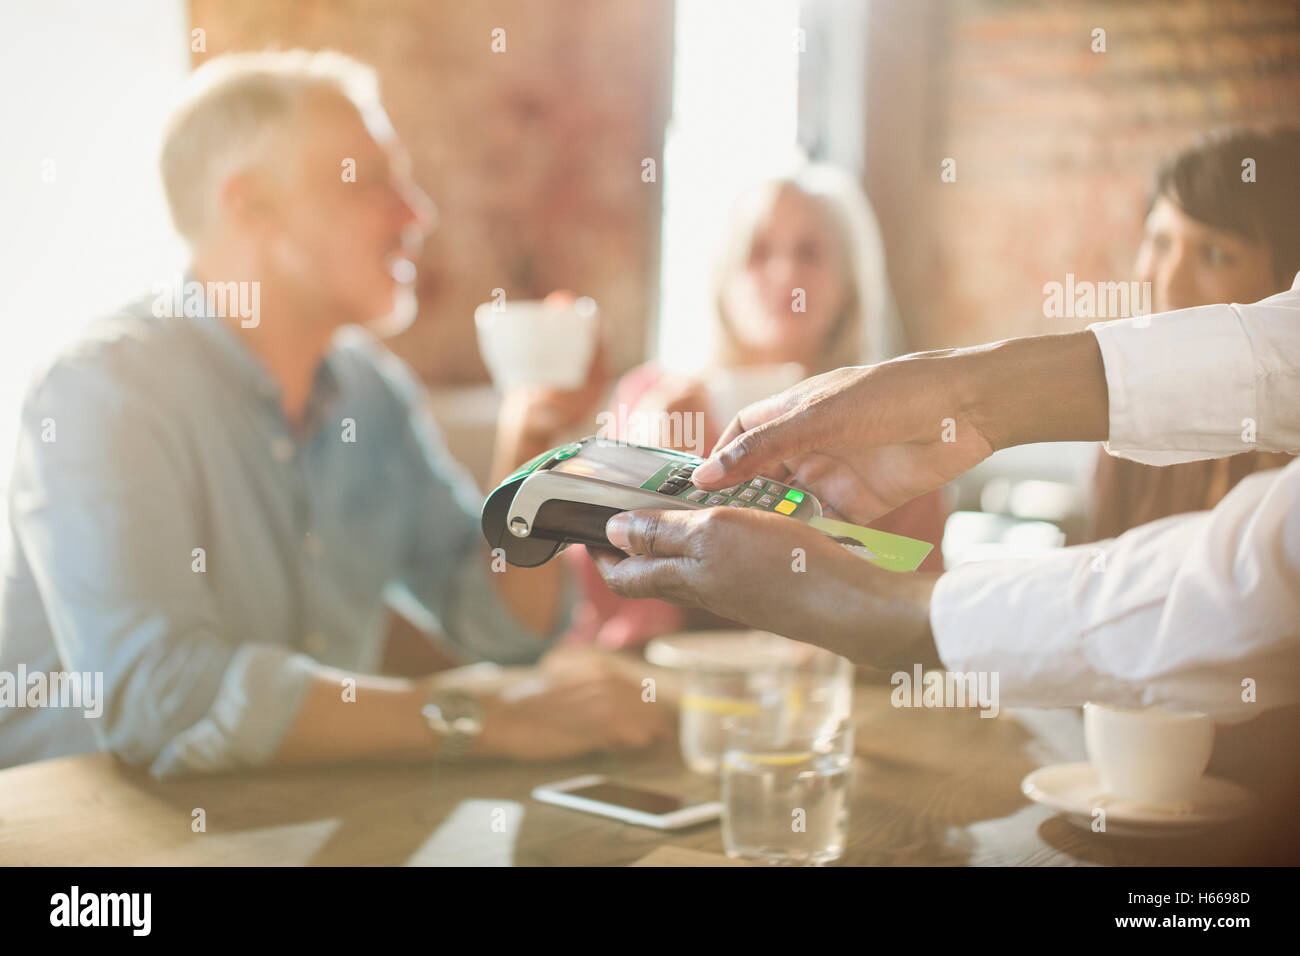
[580,707]
[751,416]
[643,577]
[750,452]
[605,558]
[780,472]
[653,531]
[633,738]
[606,565]
[729,434]
[638,724]
[612,709]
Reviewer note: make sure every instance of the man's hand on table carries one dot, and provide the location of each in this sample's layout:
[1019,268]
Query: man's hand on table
[568,706]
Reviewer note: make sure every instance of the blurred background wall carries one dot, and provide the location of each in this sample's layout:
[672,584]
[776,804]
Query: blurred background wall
[1054,144]
[533,155]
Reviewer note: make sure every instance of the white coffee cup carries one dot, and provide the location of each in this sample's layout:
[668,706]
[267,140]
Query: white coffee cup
[1150,756]
[531,343]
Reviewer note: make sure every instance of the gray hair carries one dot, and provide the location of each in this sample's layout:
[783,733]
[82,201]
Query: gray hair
[228,113]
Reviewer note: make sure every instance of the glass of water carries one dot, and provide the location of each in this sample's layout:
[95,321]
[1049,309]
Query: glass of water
[818,688]
[764,680]
[785,789]
[714,696]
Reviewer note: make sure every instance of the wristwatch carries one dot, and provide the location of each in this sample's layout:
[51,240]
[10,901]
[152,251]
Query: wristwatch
[457,721]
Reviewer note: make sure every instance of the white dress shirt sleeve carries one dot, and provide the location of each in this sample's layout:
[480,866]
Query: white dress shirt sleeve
[1204,383]
[1198,611]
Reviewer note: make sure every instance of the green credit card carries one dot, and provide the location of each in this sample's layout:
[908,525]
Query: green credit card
[891,551]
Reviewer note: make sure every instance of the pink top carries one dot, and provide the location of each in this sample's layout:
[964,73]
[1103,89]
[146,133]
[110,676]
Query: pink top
[605,619]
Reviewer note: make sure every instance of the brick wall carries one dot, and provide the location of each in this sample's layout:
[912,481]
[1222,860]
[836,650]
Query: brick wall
[1055,145]
[533,156]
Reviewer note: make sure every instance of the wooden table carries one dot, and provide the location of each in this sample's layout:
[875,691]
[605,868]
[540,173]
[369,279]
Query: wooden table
[929,787]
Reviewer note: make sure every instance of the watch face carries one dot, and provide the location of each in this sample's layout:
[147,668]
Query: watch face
[459,713]
[466,725]
[457,720]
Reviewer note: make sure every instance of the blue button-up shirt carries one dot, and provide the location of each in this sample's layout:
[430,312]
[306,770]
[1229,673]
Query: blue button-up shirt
[170,531]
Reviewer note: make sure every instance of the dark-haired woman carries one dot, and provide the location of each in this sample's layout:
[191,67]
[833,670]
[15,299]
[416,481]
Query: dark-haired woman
[1223,226]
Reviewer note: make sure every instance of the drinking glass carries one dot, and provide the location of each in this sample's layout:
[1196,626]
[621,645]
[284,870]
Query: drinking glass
[785,789]
[768,685]
[712,695]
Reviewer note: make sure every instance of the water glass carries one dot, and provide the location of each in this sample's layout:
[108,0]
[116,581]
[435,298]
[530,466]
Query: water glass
[712,695]
[768,686]
[785,789]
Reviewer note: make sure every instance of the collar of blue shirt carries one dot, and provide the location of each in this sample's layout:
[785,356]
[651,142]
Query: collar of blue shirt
[249,376]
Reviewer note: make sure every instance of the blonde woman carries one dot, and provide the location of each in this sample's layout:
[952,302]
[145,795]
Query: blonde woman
[800,288]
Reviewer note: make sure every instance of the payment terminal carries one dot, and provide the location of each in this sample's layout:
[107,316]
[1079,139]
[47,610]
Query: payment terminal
[565,496]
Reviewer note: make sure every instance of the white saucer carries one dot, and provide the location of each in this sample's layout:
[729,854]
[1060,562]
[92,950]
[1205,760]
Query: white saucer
[1076,789]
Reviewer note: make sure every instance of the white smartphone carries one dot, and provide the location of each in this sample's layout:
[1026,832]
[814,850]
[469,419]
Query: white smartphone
[646,808]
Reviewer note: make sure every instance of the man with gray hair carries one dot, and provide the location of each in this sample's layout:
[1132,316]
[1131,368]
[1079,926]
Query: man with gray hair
[213,504]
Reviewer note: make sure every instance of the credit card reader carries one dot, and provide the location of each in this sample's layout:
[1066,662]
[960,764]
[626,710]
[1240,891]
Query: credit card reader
[565,496]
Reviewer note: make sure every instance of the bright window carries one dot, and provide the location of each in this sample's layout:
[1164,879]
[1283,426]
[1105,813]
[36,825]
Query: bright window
[734,111]
[86,228]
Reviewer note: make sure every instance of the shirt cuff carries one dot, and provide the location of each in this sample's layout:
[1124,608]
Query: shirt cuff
[1181,385]
[261,693]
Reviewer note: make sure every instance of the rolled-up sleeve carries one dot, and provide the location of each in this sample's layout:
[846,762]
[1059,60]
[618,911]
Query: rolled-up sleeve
[102,504]
[480,626]
[261,692]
